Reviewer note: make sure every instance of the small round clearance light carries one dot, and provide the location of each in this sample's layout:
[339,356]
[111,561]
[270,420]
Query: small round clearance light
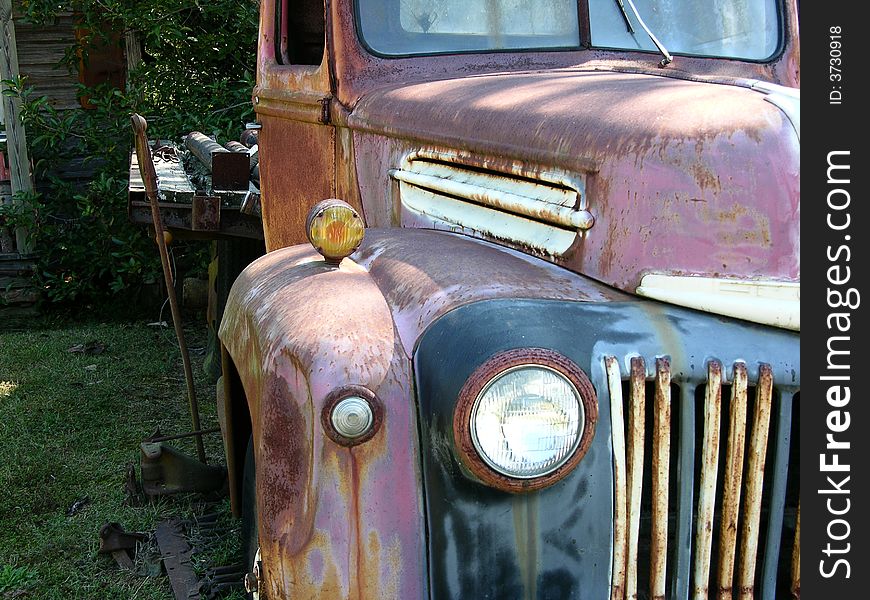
[334,229]
[524,419]
[352,417]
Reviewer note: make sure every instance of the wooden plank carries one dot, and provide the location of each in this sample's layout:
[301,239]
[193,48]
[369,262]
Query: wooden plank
[16,264]
[173,184]
[17,317]
[16,145]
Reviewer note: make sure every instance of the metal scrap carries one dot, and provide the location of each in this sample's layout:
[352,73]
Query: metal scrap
[120,544]
[166,470]
[175,552]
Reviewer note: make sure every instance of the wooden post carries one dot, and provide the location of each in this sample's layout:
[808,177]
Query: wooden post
[19,163]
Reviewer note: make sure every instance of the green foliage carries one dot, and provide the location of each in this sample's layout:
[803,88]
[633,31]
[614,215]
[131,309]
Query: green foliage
[14,578]
[196,74]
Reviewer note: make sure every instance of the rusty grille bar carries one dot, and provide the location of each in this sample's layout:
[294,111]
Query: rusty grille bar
[660,478]
[729,523]
[636,433]
[620,500]
[709,473]
[731,490]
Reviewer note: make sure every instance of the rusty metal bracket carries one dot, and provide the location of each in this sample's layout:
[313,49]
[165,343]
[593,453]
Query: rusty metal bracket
[120,544]
[205,213]
[166,471]
[251,205]
[230,171]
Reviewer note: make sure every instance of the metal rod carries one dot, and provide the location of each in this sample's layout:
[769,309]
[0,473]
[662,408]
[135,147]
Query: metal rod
[149,177]
[202,147]
[796,558]
[178,436]
[667,58]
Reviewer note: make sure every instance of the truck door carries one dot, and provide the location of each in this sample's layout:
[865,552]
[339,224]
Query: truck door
[291,99]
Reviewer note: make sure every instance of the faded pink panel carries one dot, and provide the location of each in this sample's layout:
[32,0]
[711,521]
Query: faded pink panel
[335,521]
[682,177]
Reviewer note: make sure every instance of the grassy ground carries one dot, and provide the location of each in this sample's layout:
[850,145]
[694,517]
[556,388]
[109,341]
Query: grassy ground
[70,423]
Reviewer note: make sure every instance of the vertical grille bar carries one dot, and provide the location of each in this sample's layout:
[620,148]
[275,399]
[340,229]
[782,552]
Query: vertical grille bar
[777,494]
[636,434]
[660,463]
[620,508]
[731,491]
[686,483]
[754,481]
[709,474]
[796,558]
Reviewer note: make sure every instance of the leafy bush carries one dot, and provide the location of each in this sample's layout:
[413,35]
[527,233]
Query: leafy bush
[196,74]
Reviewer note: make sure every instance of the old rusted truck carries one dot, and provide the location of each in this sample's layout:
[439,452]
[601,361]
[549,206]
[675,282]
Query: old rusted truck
[542,338]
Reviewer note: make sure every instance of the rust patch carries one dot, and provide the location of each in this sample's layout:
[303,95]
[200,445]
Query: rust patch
[705,177]
[283,476]
[297,162]
[483,375]
[796,558]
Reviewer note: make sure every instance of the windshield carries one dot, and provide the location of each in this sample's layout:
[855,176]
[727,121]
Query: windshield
[746,29]
[402,27]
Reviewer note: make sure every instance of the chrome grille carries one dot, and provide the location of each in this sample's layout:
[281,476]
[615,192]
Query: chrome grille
[710,511]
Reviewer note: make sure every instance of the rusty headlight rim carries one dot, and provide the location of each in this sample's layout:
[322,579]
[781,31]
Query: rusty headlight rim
[482,377]
[342,393]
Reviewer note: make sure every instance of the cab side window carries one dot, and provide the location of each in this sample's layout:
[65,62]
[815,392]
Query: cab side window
[301,28]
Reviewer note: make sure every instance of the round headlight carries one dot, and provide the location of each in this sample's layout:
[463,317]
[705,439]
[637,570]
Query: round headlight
[524,419]
[527,421]
[334,229]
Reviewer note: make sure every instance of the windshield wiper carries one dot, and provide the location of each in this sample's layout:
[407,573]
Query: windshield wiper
[668,59]
[625,16]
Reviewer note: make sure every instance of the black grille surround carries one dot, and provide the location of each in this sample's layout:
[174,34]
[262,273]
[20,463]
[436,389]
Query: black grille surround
[558,542]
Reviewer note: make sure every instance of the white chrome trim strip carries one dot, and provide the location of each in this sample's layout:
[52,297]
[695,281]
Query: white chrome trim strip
[776,303]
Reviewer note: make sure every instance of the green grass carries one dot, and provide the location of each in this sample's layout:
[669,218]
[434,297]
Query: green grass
[70,423]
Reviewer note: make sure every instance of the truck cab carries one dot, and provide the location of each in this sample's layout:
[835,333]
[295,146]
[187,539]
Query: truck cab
[541,340]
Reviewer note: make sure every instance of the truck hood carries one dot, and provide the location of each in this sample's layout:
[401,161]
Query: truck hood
[682,177]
